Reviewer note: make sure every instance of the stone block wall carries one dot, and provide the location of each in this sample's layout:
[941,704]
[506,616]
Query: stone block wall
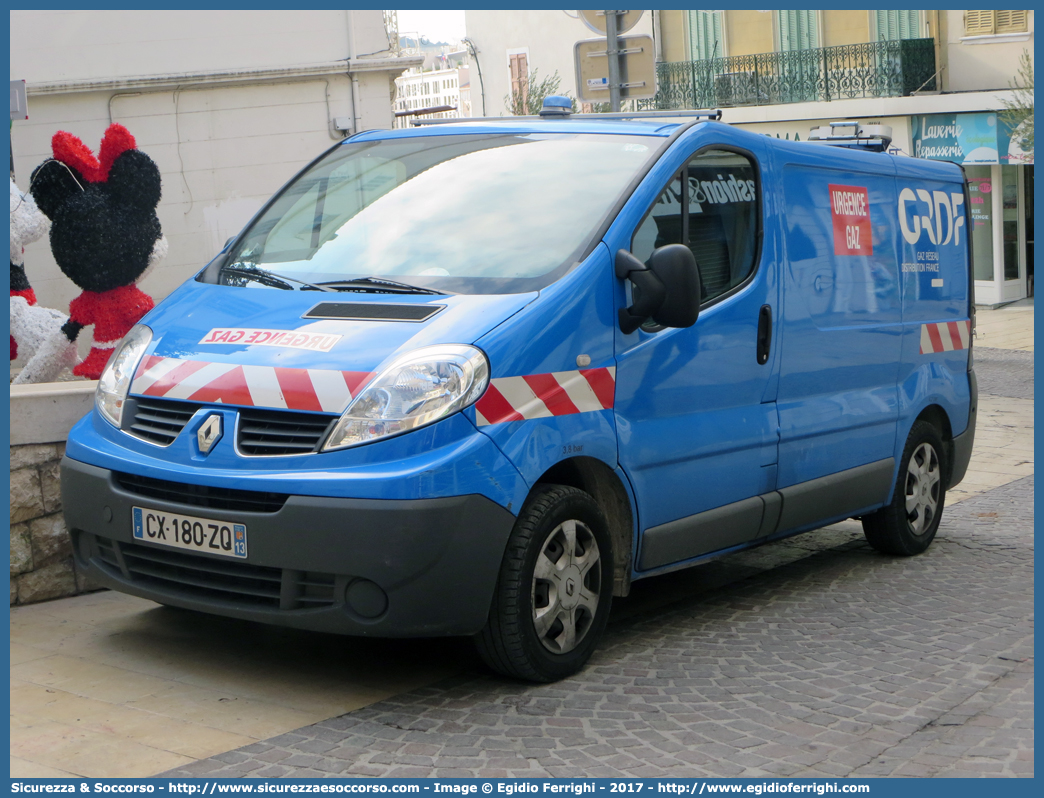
[41,552]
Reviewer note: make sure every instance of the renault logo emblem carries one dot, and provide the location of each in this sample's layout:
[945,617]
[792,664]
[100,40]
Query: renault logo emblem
[209,433]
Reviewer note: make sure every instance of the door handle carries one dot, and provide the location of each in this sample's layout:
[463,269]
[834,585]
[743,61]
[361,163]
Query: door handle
[764,334]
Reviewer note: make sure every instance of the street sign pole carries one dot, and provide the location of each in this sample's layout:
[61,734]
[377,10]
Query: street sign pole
[613,53]
[629,69]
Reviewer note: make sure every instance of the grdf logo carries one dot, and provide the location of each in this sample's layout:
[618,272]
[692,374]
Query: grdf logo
[938,205]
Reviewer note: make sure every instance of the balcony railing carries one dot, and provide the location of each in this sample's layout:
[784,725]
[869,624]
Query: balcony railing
[892,68]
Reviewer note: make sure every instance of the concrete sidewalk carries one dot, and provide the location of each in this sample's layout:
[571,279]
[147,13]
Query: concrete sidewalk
[1007,327]
[110,685]
[1004,432]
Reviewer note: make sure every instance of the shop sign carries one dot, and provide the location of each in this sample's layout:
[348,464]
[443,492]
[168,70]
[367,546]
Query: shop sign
[979,190]
[969,139]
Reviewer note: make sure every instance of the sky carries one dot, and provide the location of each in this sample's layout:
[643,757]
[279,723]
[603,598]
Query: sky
[446,26]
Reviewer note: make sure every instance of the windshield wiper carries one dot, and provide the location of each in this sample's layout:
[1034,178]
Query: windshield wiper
[375,285]
[273,280]
[379,285]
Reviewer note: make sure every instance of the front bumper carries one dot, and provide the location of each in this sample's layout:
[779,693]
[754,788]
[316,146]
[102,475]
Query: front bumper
[386,568]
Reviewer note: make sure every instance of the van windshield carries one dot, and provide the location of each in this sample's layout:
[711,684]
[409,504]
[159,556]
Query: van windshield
[474,214]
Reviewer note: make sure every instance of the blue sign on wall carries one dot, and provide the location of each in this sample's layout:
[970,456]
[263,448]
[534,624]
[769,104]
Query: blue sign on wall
[981,138]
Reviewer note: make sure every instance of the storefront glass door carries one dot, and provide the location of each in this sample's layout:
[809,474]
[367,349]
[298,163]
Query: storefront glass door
[1012,226]
[999,232]
[980,189]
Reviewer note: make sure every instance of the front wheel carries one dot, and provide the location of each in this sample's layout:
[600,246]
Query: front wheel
[907,525]
[554,590]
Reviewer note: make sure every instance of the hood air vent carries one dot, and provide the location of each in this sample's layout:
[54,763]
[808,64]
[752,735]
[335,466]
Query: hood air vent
[366,311]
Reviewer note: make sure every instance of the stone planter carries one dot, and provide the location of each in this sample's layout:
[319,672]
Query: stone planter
[41,553]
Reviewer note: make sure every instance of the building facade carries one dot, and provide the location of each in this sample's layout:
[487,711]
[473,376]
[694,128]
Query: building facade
[416,90]
[227,117]
[512,45]
[939,78]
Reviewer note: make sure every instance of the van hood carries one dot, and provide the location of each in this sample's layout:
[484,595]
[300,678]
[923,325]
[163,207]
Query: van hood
[300,350]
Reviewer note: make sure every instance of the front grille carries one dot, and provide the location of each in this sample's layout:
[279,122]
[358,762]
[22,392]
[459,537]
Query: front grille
[251,501]
[276,432]
[224,580]
[158,420]
[261,432]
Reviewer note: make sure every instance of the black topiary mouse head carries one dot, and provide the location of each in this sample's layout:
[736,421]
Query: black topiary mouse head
[102,210]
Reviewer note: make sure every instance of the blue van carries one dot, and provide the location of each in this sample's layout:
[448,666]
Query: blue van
[558,355]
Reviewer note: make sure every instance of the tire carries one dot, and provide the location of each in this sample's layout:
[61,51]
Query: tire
[907,525]
[547,617]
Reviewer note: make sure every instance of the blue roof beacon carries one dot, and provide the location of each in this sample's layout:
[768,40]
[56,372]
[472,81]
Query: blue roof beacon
[556,105]
[421,393]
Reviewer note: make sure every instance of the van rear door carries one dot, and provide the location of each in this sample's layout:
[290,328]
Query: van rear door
[935,225]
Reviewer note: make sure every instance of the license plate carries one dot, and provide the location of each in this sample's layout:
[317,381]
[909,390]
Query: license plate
[226,538]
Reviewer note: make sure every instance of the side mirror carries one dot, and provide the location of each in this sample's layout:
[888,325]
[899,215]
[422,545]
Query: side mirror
[666,291]
[649,292]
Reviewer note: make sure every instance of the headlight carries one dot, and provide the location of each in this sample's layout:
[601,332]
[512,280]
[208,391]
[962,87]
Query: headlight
[416,389]
[115,381]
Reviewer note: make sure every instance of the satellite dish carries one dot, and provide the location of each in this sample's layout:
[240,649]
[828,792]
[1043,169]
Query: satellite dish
[595,20]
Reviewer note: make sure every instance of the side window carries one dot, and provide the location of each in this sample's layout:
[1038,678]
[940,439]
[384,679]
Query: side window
[662,225]
[718,222]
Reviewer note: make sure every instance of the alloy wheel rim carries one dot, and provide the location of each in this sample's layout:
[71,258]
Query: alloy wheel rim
[923,483]
[566,586]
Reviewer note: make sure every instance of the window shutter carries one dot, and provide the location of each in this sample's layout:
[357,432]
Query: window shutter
[705,35]
[978,22]
[787,31]
[909,24]
[899,24]
[797,30]
[519,78]
[523,78]
[886,24]
[515,71]
[1011,21]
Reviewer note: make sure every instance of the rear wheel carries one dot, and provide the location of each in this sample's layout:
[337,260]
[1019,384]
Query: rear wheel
[908,524]
[555,587]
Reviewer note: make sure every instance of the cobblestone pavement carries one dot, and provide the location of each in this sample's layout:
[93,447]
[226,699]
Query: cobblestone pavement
[838,662]
[813,656]
[1004,372]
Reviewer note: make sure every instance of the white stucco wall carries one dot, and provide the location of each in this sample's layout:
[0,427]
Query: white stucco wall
[547,35]
[69,45]
[221,153]
[979,63]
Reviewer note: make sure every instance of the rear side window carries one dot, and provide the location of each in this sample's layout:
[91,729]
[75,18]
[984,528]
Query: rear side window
[718,219]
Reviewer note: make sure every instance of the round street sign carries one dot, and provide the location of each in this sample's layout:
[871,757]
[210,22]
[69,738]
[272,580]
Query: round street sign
[595,20]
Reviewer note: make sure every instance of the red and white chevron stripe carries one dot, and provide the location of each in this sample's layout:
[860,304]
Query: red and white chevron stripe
[560,393]
[945,336]
[320,390]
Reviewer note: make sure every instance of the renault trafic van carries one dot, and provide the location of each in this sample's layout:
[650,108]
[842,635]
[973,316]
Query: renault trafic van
[476,378]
